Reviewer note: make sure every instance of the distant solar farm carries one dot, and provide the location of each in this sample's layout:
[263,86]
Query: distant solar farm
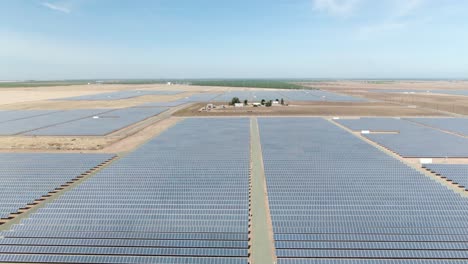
[132,176]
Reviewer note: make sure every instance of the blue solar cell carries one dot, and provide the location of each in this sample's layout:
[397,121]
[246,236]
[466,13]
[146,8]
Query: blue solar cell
[104,124]
[21,180]
[19,126]
[334,197]
[118,95]
[182,194]
[411,139]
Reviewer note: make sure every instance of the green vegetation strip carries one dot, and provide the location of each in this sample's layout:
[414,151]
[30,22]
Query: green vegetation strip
[262,232]
[274,84]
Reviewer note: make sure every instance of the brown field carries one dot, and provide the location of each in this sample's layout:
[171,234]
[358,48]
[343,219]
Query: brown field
[447,103]
[376,85]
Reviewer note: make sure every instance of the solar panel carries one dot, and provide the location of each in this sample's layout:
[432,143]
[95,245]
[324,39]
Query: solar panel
[43,120]
[292,95]
[411,139]
[183,197]
[334,198]
[118,95]
[456,173]
[22,180]
[453,125]
[104,124]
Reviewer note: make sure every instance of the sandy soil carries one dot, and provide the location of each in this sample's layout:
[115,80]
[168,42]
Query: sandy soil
[373,85]
[29,94]
[447,103]
[315,109]
[84,144]
[67,105]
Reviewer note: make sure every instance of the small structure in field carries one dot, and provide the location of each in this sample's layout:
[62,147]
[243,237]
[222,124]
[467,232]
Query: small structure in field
[239,105]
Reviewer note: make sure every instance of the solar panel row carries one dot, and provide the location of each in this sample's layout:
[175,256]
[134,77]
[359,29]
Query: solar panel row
[411,139]
[43,119]
[155,202]
[106,123]
[291,95]
[27,177]
[343,201]
[15,114]
[454,125]
[457,173]
[118,95]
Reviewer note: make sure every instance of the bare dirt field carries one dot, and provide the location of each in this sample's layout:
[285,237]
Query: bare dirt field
[438,102]
[394,85]
[447,103]
[314,109]
[104,144]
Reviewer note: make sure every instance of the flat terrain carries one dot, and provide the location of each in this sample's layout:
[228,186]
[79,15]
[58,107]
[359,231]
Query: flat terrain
[315,109]
[390,84]
[284,189]
[380,104]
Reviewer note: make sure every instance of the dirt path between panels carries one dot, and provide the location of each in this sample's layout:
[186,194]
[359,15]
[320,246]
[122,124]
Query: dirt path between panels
[263,247]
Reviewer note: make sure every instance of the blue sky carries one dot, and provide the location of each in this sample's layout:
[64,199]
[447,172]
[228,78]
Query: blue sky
[75,39]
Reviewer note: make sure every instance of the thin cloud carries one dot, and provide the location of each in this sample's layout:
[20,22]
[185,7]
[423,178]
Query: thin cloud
[56,7]
[406,7]
[336,7]
[378,29]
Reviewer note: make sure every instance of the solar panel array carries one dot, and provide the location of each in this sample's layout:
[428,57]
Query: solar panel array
[161,104]
[183,197]
[412,140]
[44,120]
[105,123]
[290,95]
[456,173]
[118,95]
[27,177]
[9,115]
[447,92]
[201,97]
[319,95]
[455,125]
[336,199]
[251,96]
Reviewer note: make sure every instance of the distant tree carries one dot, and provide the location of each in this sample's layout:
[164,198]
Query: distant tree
[263,102]
[235,100]
[282,101]
[277,100]
[246,102]
[269,103]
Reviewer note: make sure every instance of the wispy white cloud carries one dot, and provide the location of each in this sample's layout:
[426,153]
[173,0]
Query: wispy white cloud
[378,29]
[56,7]
[406,7]
[336,7]
[397,18]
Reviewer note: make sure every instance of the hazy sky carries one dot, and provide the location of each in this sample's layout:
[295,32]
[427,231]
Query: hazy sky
[233,39]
